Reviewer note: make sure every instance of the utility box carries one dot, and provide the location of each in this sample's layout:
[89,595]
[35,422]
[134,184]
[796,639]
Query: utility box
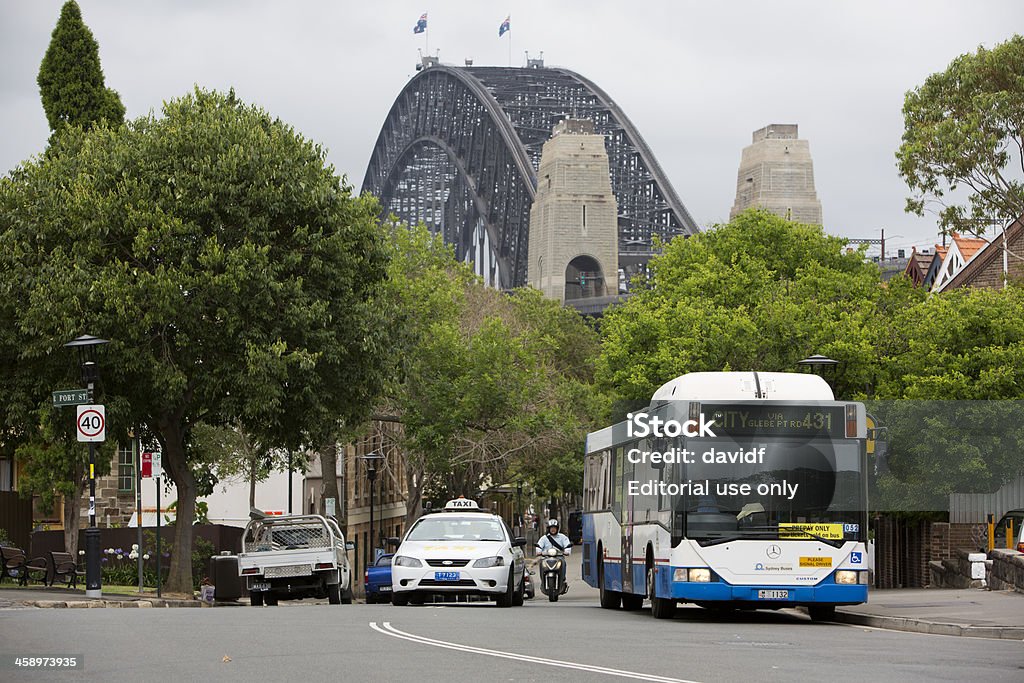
[224,575]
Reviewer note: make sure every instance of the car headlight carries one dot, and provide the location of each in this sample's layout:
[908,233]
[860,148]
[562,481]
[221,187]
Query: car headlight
[485,562]
[403,561]
[846,576]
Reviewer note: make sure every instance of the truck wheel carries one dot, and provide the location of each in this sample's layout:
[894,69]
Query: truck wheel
[334,594]
[399,599]
[346,596]
[256,599]
[270,599]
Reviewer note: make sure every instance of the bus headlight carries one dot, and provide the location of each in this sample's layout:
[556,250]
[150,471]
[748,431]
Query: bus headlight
[845,576]
[698,574]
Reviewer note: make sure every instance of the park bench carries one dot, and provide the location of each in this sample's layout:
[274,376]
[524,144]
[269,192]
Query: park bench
[65,568]
[17,566]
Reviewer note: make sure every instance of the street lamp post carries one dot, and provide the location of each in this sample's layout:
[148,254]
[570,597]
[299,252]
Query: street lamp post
[86,347]
[519,507]
[818,361]
[371,475]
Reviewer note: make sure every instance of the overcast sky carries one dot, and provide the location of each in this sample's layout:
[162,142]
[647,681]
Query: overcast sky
[695,77]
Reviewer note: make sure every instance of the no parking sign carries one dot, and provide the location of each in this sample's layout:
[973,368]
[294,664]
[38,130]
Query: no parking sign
[91,423]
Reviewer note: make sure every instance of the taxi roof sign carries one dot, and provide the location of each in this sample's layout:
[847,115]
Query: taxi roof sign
[461,503]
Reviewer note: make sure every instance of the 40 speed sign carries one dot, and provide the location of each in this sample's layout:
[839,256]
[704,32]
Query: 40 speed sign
[91,423]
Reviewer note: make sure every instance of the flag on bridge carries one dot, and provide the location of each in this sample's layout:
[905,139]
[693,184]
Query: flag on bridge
[421,25]
[505,26]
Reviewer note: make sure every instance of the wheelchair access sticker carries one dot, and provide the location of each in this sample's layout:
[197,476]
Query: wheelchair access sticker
[856,558]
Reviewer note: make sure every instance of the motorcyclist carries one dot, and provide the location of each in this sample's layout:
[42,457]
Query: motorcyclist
[560,542]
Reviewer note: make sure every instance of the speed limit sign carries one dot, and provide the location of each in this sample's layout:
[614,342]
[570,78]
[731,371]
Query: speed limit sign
[92,423]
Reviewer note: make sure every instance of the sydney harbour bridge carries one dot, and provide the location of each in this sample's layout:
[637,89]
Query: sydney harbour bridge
[459,152]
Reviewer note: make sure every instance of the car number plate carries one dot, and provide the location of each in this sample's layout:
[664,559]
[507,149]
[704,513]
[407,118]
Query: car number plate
[773,595]
[446,576]
[259,587]
[385,589]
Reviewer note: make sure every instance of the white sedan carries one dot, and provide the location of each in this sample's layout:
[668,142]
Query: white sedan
[459,551]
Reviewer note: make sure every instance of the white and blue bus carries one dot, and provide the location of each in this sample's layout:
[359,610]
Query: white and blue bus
[732,490]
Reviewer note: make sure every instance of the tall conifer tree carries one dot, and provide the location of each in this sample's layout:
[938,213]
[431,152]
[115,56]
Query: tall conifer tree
[70,78]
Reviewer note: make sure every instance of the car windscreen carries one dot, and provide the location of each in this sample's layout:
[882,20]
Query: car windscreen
[456,529]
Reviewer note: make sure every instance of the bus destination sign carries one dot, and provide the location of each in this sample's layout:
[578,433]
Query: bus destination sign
[776,420]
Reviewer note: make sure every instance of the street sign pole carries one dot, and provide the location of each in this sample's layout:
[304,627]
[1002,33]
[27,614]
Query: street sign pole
[138,504]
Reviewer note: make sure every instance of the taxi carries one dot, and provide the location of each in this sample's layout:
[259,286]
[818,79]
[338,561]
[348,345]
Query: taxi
[462,550]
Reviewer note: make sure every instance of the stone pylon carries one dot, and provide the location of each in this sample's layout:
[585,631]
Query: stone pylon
[573,247]
[776,173]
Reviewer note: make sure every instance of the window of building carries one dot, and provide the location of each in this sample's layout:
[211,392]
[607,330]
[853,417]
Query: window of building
[125,468]
[6,474]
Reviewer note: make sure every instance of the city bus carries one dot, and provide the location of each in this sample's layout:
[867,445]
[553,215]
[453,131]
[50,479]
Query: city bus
[731,490]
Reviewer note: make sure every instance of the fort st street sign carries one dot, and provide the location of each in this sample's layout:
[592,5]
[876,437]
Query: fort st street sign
[71,397]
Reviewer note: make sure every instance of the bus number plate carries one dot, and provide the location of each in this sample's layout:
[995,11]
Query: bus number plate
[773,595]
[446,576]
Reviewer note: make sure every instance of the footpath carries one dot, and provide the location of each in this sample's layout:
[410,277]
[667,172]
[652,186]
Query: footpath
[69,598]
[970,612]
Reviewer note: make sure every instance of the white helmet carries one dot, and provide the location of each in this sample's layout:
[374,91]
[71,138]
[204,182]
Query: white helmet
[553,523]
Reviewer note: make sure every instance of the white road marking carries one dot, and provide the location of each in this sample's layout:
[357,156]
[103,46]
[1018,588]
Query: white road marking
[390,630]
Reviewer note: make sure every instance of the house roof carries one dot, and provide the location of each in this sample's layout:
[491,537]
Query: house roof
[985,255]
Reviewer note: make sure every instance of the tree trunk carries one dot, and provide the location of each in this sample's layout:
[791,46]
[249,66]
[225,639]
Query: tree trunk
[414,486]
[329,474]
[72,512]
[252,481]
[180,578]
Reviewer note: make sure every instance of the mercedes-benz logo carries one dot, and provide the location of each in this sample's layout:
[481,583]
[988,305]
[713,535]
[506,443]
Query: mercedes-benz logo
[448,562]
[773,551]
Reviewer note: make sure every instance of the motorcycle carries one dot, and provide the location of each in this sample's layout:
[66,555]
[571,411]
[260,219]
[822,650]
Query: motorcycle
[551,582]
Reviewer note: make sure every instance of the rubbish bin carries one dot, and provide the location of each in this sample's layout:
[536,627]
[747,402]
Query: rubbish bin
[224,574]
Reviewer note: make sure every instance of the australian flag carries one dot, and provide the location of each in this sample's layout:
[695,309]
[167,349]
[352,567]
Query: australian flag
[421,25]
[505,26]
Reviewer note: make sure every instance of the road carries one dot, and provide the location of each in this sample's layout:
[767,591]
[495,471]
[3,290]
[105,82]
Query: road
[478,641]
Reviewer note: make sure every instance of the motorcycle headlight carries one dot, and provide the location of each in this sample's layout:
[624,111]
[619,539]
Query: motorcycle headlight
[485,562]
[403,561]
[552,552]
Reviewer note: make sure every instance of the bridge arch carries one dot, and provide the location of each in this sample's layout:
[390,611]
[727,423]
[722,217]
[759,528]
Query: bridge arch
[459,150]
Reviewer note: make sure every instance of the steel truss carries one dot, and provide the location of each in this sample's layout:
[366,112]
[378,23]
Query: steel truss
[460,148]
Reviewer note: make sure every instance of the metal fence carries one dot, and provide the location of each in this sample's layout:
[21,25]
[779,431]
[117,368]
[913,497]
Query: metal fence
[972,508]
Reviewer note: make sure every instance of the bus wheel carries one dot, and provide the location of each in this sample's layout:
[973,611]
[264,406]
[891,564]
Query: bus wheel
[822,612]
[631,602]
[609,599]
[661,608]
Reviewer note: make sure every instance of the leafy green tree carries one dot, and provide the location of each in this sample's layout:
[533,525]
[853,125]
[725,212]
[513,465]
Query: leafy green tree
[963,140]
[230,267]
[488,383]
[758,293]
[70,78]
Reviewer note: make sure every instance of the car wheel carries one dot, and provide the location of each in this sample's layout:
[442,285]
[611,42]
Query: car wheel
[334,594]
[505,599]
[520,595]
[400,599]
[256,599]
